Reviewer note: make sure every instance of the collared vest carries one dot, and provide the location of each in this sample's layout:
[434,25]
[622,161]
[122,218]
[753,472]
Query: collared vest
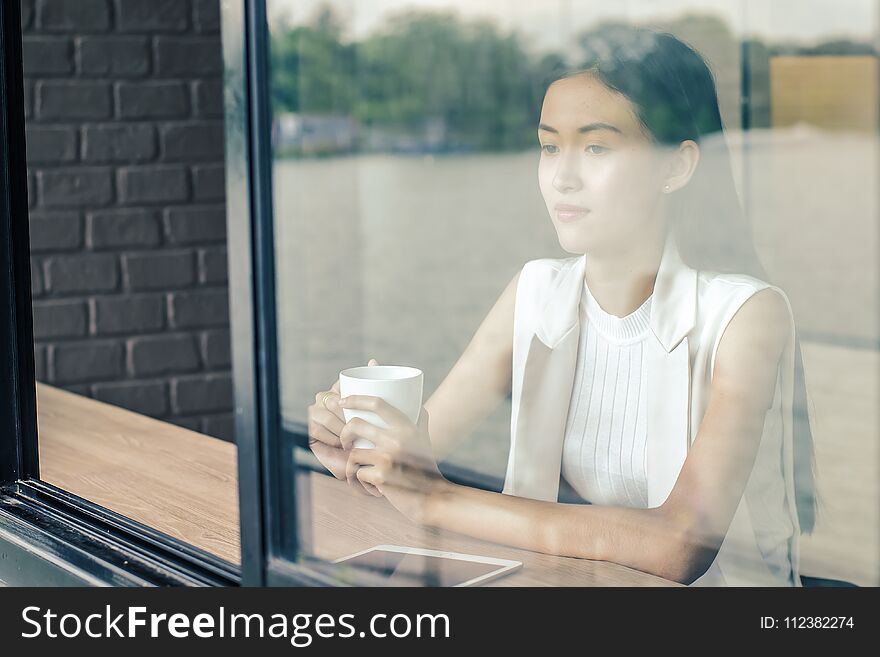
[689,313]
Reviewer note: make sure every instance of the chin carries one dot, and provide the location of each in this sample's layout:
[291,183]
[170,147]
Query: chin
[574,249]
[574,244]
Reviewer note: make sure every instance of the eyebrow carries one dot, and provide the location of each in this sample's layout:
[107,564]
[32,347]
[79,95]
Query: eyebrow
[584,128]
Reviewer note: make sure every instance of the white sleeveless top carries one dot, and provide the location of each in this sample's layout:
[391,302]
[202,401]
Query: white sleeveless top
[603,455]
[689,312]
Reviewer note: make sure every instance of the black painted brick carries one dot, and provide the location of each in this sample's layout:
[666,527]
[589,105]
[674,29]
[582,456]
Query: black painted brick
[155,184]
[152,15]
[209,182]
[60,318]
[40,362]
[75,187]
[141,313]
[27,14]
[146,397]
[187,56]
[38,284]
[162,354]
[159,271]
[111,229]
[208,98]
[195,224]
[67,100]
[212,265]
[73,15]
[82,273]
[152,100]
[191,423]
[198,308]
[216,348]
[187,142]
[86,361]
[50,144]
[43,55]
[220,426]
[114,56]
[125,142]
[201,394]
[206,15]
[55,231]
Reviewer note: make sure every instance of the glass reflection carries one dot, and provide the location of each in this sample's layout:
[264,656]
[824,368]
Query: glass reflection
[420,149]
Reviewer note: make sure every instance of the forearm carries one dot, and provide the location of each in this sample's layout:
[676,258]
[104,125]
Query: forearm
[516,521]
[645,539]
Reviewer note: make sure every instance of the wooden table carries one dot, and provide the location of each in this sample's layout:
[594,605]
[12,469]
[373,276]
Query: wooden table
[184,484]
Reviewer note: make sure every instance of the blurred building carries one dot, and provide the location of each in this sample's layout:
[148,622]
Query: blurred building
[310,134]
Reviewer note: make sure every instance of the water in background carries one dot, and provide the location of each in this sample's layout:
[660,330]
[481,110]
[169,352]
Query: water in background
[400,257]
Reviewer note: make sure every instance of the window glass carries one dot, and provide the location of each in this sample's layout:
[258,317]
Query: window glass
[420,151]
[125,153]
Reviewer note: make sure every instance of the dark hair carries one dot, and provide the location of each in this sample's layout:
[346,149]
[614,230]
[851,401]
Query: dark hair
[673,92]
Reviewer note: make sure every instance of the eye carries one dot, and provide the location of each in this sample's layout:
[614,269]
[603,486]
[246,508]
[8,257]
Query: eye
[602,149]
[545,148]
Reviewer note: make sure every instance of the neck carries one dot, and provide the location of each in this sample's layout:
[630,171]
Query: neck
[622,280]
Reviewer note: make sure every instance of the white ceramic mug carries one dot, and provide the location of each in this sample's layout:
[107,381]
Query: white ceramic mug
[398,385]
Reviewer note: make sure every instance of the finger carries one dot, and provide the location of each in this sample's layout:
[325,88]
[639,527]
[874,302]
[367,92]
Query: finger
[358,428]
[320,433]
[382,476]
[331,403]
[377,405]
[335,387]
[332,458]
[357,458]
[328,419]
[372,489]
[370,476]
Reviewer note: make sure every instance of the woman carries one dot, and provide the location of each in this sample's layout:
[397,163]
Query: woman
[662,392]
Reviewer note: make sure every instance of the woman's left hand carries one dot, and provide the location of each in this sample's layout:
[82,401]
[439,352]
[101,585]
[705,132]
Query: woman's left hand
[401,465]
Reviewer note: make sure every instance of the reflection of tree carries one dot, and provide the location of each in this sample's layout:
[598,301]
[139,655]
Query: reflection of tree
[468,75]
[477,87]
[479,84]
[312,71]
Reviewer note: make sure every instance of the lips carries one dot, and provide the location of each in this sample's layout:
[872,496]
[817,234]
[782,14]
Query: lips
[569,212]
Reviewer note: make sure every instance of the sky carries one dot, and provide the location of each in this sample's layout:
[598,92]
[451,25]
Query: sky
[548,23]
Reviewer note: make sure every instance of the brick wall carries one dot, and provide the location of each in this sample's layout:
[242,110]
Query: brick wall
[127,216]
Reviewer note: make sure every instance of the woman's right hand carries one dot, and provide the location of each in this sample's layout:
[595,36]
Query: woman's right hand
[325,424]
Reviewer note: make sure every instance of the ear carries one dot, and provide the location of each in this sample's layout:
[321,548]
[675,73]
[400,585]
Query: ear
[681,165]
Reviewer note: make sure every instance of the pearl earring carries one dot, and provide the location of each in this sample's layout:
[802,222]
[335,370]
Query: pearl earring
[666,188]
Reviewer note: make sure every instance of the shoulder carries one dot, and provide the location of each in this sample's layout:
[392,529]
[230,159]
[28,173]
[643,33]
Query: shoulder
[549,265]
[741,295]
[756,324]
[534,287]
[542,271]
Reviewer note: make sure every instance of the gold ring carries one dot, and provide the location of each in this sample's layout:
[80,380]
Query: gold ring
[324,399]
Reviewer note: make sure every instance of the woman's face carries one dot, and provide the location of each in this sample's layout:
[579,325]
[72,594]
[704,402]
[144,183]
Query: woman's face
[599,174]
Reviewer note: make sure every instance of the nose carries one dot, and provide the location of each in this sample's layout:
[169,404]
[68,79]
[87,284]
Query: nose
[567,177]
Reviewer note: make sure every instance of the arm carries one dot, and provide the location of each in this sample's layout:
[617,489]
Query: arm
[679,539]
[478,381]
